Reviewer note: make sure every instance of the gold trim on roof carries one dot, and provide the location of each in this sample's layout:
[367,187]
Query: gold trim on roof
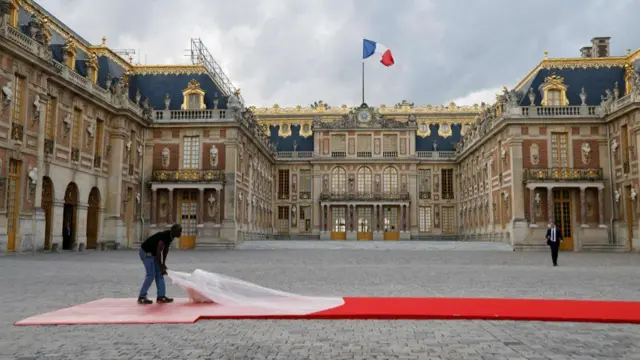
[169,70]
[579,63]
[276,110]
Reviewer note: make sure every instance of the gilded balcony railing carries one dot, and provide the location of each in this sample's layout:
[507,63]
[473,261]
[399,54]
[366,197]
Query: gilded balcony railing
[359,196]
[188,175]
[563,174]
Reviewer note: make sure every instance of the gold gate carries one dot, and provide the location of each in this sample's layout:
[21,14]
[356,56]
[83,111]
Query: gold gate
[562,217]
[365,223]
[188,219]
[390,216]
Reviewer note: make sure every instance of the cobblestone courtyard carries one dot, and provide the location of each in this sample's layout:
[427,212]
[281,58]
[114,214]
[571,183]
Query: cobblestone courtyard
[44,282]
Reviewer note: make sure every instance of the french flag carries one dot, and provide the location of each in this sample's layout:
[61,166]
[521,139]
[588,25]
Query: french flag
[370,48]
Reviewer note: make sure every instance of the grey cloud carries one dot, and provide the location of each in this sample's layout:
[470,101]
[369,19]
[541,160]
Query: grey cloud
[297,52]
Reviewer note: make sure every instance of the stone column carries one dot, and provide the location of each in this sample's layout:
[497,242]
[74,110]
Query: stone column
[217,205]
[154,210]
[583,207]
[170,208]
[374,220]
[517,195]
[601,208]
[201,206]
[550,203]
[319,218]
[532,207]
[114,227]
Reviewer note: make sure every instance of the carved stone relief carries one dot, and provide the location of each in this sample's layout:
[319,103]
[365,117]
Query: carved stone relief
[352,146]
[436,183]
[352,183]
[534,154]
[165,157]
[377,183]
[586,153]
[403,146]
[294,184]
[376,146]
[403,185]
[325,183]
[213,156]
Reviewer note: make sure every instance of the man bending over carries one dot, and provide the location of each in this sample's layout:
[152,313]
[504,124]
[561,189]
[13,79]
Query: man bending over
[153,253]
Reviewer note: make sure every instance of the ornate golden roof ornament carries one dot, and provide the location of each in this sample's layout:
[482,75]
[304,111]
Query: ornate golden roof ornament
[554,80]
[104,41]
[546,55]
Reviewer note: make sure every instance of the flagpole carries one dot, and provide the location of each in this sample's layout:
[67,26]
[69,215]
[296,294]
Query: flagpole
[363,81]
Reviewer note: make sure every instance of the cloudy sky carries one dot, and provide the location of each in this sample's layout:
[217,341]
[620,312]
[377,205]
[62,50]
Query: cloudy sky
[295,52]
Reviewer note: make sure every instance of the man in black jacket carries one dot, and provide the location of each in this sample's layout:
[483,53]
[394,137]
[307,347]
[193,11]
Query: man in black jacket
[554,238]
[153,253]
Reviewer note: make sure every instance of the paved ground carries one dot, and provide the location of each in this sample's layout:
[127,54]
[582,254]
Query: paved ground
[32,285]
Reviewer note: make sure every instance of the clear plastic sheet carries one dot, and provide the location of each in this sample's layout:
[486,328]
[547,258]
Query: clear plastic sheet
[207,287]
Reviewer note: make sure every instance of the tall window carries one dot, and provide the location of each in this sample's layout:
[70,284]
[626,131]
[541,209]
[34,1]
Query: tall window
[553,98]
[98,143]
[77,125]
[447,183]
[194,102]
[50,121]
[283,219]
[305,219]
[424,183]
[191,152]
[364,180]
[424,221]
[560,149]
[448,219]
[305,183]
[624,140]
[19,92]
[390,180]
[338,180]
[283,184]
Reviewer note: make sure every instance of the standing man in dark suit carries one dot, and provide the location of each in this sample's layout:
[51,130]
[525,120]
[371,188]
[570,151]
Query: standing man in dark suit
[554,238]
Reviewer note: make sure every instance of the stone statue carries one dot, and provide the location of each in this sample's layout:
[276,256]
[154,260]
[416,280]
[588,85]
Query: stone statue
[233,103]
[33,175]
[7,93]
[90,130]
[128,146]
[586,153]
[435,145]
[213,156]
[165,157]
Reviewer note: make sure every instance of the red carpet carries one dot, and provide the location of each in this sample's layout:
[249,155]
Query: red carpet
[126,311]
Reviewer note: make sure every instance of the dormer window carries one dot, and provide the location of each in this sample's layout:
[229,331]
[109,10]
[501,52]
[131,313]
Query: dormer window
[553,98]
[193,96]
[554,91]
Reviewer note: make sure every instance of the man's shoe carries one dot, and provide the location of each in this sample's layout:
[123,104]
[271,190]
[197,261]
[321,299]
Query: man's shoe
[164,300]
[143,300]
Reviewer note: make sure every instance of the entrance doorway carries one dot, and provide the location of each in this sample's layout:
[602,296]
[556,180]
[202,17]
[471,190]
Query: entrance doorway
[69,216]
[562,212]
[47,207]
[93,218]
[365,223]
[390,216]
[188,219]
[13,203]
[339,223]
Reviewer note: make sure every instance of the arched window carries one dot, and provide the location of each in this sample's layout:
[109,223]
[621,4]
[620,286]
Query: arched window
[390,180]
[365,183]
[339,180]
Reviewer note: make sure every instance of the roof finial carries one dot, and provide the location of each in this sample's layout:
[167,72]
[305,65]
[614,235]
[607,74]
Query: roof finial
[104,41]
[546,54]
[628,51]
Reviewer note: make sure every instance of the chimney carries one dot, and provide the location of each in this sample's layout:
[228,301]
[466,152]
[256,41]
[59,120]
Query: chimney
[586,52]
[600,47]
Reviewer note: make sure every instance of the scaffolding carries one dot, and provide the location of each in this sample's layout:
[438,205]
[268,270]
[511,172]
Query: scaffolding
[201,56]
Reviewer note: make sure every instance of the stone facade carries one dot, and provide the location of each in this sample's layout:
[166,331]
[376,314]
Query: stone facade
[118,151]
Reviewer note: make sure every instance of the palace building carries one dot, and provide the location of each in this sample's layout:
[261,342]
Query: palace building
[113,151]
